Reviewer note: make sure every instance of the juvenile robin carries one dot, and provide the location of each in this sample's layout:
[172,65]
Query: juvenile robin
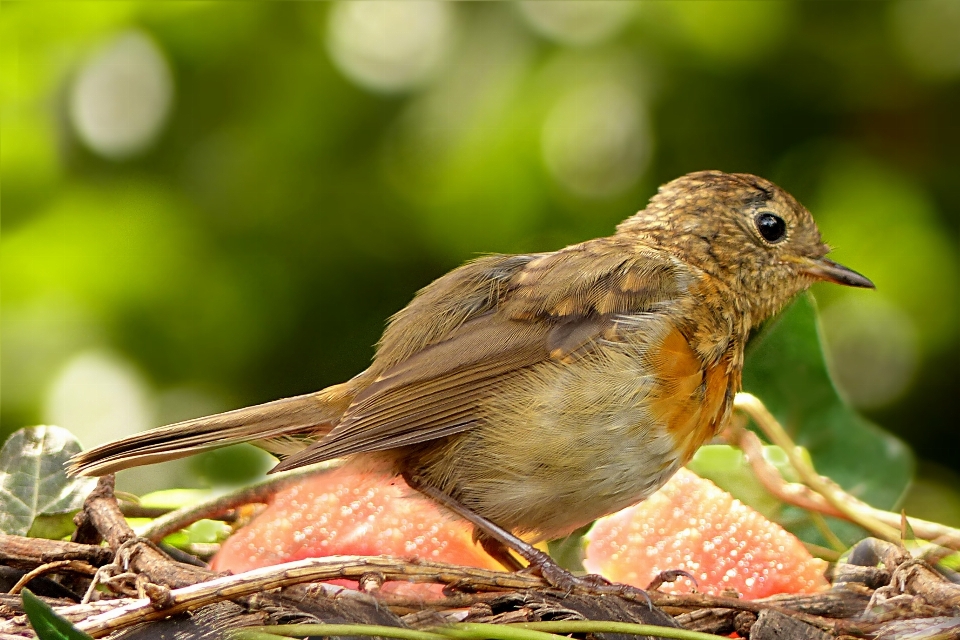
[532,394]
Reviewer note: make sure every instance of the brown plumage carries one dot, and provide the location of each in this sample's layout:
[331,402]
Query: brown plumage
[542,391]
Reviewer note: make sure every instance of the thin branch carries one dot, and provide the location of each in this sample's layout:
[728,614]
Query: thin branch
[310,570]
[214,508]
[820,494]
[18,551]
[474,631]
[78,566]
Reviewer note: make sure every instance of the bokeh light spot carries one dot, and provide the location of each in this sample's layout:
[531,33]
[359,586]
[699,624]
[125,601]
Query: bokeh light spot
[886,226]
[727,33]
[38,335]
[390,46]
[98,396]
[873,347]
[928,35]
[122,96]
[595,140]
[577,22]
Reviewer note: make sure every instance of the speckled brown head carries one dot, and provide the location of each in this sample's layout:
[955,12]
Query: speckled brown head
[743,230]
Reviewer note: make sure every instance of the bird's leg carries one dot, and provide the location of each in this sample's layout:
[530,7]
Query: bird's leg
[497,550]
[494,539]
[497,541]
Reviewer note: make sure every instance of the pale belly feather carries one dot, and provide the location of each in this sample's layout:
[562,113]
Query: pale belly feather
[580,444]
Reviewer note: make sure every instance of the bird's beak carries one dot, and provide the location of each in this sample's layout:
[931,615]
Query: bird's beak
[824,269]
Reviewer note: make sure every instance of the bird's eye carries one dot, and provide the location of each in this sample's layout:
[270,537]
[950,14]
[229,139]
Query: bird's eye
[771,227]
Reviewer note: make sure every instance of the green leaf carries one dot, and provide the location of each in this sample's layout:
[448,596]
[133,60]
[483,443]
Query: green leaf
[786,368]
[951,562]
[52,527]
[33,480]
[200,532]
[175,498]
[568,551]
[48,624]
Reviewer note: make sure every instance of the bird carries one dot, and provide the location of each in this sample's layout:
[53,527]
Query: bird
[535,393]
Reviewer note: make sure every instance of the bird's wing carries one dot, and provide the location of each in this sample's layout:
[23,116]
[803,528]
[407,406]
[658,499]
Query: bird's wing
[533,309]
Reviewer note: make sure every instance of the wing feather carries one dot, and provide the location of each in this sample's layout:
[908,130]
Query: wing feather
[521,311]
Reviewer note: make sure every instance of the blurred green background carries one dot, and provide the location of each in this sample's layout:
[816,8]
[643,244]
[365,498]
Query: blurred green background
[211,204]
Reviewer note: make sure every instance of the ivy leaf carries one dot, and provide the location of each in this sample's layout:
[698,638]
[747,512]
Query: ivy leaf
[786,368]
[32,478]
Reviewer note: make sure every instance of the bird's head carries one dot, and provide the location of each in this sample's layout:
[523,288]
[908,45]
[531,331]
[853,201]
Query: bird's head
[745,231]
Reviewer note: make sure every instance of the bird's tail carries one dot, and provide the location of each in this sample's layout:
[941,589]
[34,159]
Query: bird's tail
[281,427]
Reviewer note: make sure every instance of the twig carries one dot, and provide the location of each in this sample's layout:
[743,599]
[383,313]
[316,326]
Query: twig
[476,631]
[820,494]
[294,630]
[27,553]
[354,567]
[917,579]
[594,627]
[213,508]
[311,570]
[95,620]
[74,565]
[102,512]
[18,627]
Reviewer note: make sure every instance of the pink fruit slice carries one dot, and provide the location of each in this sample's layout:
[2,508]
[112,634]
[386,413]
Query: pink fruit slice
[693,525]
[347,512]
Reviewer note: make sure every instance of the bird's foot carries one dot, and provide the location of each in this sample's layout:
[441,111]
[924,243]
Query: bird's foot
[562,580]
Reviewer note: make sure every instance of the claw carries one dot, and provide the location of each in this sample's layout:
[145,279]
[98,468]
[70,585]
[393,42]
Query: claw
[593,584]
[671,575]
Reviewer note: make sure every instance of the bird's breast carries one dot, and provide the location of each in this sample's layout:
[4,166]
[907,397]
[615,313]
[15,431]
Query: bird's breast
[566,442]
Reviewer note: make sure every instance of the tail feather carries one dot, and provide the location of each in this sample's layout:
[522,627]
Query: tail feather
[281,422]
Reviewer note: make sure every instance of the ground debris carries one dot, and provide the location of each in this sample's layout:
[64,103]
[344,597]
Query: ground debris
[133,589]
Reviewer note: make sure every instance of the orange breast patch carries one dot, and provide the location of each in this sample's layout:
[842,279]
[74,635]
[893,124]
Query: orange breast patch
[689,397]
